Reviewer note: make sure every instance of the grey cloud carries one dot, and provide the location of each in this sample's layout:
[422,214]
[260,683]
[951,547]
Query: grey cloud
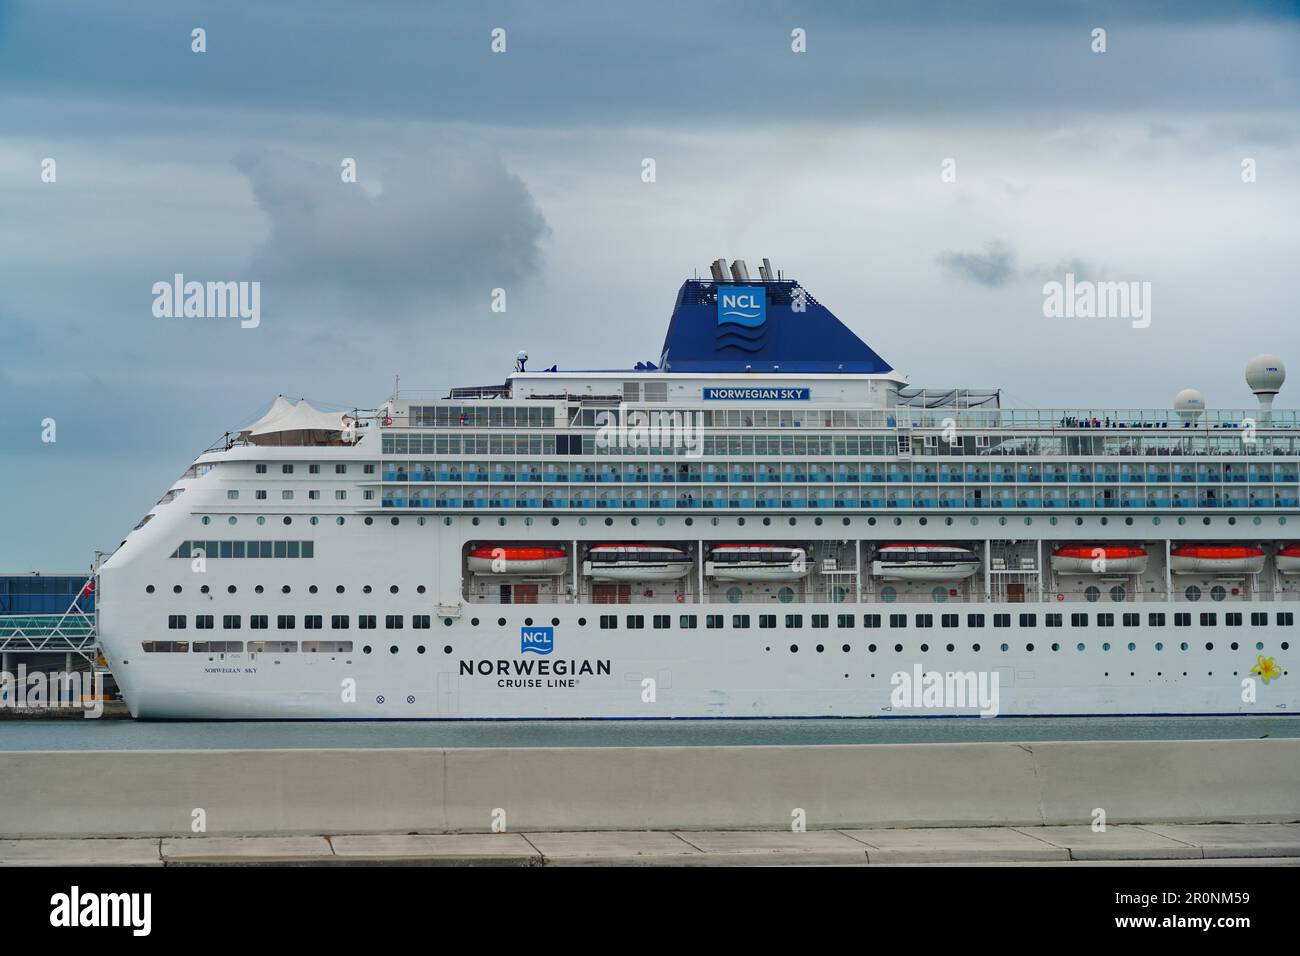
[448,223]
[995,266]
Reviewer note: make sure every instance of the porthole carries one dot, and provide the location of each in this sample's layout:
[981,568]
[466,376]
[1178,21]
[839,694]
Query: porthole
[1232,521]
[871,522]
[923,521]
[1004,647]
[1105,520]
[420,521]
[1078,647]
[1286,645]
[555,622]
[898,648]
[794,648]
[446,621]
[898,522]
[888,594]
[636,521]
[582,522]
[232,520]
[446,649]
[420,649]
[528,622]
[767,521]
[259,589]
[473,521]
[975,648]
[394,520]
[314,520]
[1105,646]
[338,589]
[1205,521]
[1209,645]
[231,589]
[582,622]
[793,522]
[207,519]
[950,648]
[148,589]
[1128,521]
[176,589]
[817,522]
[1258,520]
[1052,520]
[501,622]
[1056,647]
[1183,647]
[689,522]
[419,589]
[555,522]
[392,649]
[785,595]
[1029,647]
[1155,520]
[261,519]
[1132,646]
[1232,646]
[821,648]
[287,520]
[660,521]
[845,648]
[366,649]
[740,522]
[939,595]
[734,594]
[925,648]
[1078,521]
[284,589]
[370,520]
[1182,519]
[392,589]
[871,648]
[312,589]
[1160,646]
[609,522]
[340,520]
[365,589]
[473,622]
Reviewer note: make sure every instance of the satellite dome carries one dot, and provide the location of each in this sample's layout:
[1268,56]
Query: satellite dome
[1189,403]
[1265,374]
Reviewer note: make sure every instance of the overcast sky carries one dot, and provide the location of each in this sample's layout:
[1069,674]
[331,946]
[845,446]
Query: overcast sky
[522,170]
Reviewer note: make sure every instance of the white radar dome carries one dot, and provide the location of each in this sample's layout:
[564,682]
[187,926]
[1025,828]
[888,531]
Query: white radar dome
[1189,403]
[1265,374]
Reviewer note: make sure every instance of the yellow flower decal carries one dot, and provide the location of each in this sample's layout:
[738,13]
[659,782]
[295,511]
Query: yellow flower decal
[1266,668]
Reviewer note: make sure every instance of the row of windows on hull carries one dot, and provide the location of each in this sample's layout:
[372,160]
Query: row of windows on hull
[705,498]
[284,589]
[262,647]
[804,472]
[394,622]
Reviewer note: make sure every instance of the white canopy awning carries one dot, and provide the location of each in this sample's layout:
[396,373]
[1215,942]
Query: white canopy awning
[301,425]
[281,407]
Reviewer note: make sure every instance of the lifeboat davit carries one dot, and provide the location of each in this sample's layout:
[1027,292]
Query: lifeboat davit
[1288,559]
[1099,559]
[924,562]
[498,559]
[636,562]
[756,562]
[1216,559]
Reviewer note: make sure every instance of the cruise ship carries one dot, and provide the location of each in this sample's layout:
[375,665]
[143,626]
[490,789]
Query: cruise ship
[767,522]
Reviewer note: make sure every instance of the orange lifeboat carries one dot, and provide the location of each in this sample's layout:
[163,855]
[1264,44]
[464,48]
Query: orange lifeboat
[1216,559]
[1288,559]
[1099,559]
[497,559]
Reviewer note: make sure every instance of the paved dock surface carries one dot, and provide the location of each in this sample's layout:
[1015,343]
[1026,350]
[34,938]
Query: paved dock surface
[1153,844]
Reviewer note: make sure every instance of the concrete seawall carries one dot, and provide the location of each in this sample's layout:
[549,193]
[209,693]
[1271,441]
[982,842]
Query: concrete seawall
[245,792]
